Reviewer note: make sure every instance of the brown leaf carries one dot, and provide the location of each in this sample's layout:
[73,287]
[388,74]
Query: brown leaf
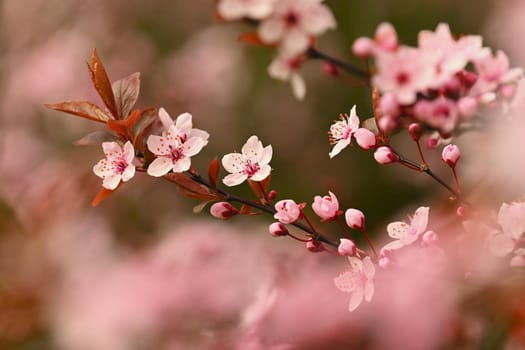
[84,109]
[213,172]
[126,91]
[96,138]
[246,209]
[125,127]
[147,118]
[100,80]
[260,188]
[104,192]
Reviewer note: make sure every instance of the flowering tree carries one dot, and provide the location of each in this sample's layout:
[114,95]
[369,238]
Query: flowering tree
[431,96]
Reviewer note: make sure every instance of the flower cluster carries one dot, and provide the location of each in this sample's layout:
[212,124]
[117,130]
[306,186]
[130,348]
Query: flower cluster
[440,84]
[291,25]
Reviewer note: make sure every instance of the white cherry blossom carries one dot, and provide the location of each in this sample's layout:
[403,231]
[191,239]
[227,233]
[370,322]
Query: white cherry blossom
[117,166]
[237,9]
[252,163]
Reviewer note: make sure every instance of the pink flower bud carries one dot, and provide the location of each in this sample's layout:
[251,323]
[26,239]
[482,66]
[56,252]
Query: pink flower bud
[223,210]
[327,207]
[467,106]
[384,155]
[388,104]
[347,247]
[430,237]
[386,36]
[363,47]
[355,219]
[451,155]
[469,78]
[387,123]
[432,141]
[288,211]
[330,69]
[508,91]
[384,262]
[415,130]
[272,195]
[314,246]
[365,138]
[277,229]
[460,211]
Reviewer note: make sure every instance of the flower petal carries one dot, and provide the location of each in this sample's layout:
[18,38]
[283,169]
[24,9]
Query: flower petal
[129,152]
[262,173]
[397,229]
[234,179]
[233,162]
[111,182]
[181,165]
[339,146]
[266,155]
[158,145]
[355,299]
[165,118]
[183,122]
[271,30]
[160,166]
[192,146]
[128,173]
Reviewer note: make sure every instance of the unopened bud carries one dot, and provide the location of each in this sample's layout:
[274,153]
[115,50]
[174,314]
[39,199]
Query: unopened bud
[314,246]
[272,195]
[384,155]
[430,237]
[386,36]
[460,211]
[277,229]
[451,155]
[415,130]
[223,210]
[363,47]
[331,69]
[432,142]
[347,247]
[355,219]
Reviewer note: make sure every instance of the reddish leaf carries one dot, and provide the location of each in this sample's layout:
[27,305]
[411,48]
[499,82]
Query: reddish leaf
[213,172]
[84,109]
[200,207]
[102,84]
[96,138]
[260,188]
[125,127]
[190,188]
[246,209]
[126,91]
[104,192]
[143,125]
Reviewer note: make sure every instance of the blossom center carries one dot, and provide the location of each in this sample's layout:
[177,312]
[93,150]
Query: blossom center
[251,168]
[402,78]
[176,153]
[120,166]
[291,19]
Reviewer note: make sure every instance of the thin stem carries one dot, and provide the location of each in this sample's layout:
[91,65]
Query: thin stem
[456,179]
[420,152]
[349,68]
[230,197]
[367,237]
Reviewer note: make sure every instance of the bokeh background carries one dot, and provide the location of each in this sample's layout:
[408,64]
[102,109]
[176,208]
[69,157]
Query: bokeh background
[141,271]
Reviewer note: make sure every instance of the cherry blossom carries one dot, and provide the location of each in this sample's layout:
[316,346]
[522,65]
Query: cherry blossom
[223,210]
[286,68]
[184,126]
[404,73]
[343,130]
[326,207]
[288,211]
[347,247]
[406,234]
[173,150]
[355,219]
[451,155]
[117,166]
[237,9]
[252,163]
[294,22]
[511,218]
[441,113]
[358,281]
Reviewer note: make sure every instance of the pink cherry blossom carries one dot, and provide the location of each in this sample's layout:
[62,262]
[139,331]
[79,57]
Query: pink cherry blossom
[252,163]
[441,113]
[117,166]
[404,73]
[451,155]
[286,68]
[406,234]
[278,229]
[294,22]
[237,9]
[358,281]
[326,207]
[385,39]
[183,124]
[511,218]
[172,153]
[288,211]
[493,70]
[343,130]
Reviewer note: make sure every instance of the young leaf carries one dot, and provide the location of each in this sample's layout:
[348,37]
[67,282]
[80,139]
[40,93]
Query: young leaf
[126,91]
[96,138]
[213,172]
[104,192]
[100,80]
[146,119]
[84,109]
